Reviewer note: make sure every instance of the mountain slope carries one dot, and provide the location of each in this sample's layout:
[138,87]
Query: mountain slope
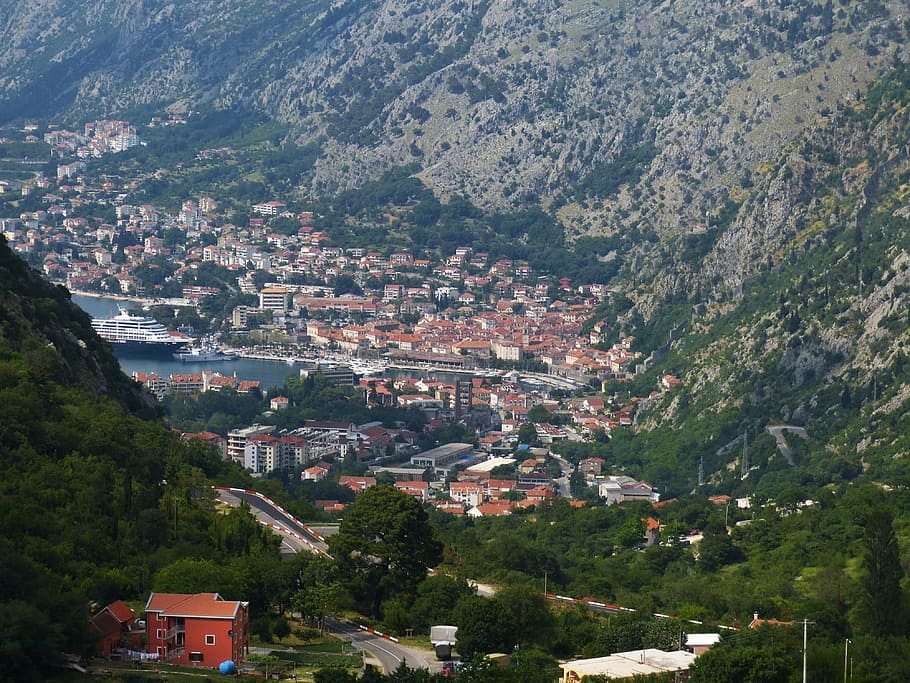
[613,113]
[94,500]
[817,337]
[40,324]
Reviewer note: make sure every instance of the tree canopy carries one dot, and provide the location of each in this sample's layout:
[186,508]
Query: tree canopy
[385,545]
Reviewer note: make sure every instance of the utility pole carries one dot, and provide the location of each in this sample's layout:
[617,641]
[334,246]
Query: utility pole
[805,623]
[846,645]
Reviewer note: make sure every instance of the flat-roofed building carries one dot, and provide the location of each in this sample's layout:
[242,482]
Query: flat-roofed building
[237,440]
[334,374]
[274,299]
[489,464]
[442,456]
[400,474]
[628,665]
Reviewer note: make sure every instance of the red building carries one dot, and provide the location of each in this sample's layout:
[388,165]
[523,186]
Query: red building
[115,628]
[197,630]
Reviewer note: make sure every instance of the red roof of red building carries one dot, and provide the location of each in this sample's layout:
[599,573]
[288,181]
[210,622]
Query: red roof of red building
[121,611]
[210,605]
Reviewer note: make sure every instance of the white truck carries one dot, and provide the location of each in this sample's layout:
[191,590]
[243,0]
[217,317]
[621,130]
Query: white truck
[443,639]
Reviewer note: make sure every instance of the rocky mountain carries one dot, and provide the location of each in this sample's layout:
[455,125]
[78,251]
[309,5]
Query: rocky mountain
[817,336]
[610,113]
[749,158]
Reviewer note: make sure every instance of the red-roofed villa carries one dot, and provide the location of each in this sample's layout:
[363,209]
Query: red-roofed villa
[197,630]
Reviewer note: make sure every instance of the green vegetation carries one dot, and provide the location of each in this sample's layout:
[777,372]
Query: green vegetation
[236,156]
[98,504]
[606,179]
[384,546]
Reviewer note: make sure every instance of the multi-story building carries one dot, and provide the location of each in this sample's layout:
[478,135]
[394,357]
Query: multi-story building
[295,451]
[333,374]
[240,317]
[507,351]
[272,208]
[266,453]
[237,440]
[463,394]
[197,630]
[466,492]
[274,299]
[262,454]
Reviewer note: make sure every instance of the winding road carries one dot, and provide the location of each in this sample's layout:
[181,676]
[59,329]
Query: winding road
[777,431]
[387,653]
[297,537]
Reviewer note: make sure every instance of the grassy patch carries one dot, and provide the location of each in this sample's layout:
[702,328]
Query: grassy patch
[319,660]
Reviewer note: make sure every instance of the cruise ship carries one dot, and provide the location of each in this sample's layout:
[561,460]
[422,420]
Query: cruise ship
[139,335]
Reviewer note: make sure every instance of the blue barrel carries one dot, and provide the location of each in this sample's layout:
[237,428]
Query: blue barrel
[227,667]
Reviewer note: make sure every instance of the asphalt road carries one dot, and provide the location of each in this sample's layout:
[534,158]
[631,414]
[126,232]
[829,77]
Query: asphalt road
[563,481]
[777,431]
[291,530]
[387,653]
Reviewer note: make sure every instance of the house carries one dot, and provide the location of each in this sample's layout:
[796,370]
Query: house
[699,643]
[356,484]
[492,509]
[591,466]
[541,494]
[466,492]
[652,531]
[528,466]
[248,386]
[314,473]
[669,382]
[197,630]
[115,628]
[450,506]
[419,489]
[278,403]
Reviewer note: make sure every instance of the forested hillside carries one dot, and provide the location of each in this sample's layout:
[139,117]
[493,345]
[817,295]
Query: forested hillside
[96,502]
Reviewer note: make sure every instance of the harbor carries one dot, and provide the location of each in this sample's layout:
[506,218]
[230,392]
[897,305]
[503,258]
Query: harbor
[271,365]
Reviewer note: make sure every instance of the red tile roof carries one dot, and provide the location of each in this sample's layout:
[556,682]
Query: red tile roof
[209,605]
[121,611]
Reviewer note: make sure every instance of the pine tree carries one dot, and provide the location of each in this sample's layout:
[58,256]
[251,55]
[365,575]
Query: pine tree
[881,591]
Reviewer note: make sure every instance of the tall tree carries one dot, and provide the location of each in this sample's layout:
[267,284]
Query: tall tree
[484,626]
[385,546]
[881,591]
